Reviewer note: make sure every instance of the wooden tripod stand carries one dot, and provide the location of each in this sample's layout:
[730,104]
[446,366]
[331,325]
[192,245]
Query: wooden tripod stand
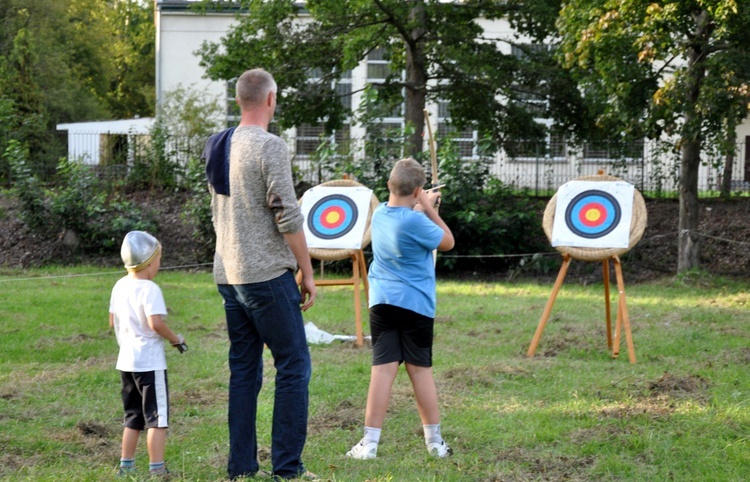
[623,321]
[359,268]
[358,280]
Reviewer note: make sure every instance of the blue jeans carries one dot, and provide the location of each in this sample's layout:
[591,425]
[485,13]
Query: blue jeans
[257,314]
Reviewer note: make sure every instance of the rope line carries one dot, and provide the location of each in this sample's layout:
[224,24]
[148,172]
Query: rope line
[475,256]
[101,273]
[687,231]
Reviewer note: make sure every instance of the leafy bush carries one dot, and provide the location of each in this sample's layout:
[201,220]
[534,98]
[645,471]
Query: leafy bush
[488,219]
[184,120]
[157,169]
[77,203]
[197,211]
[27,188]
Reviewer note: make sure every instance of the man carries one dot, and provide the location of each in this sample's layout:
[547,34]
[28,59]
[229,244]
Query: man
[260,244]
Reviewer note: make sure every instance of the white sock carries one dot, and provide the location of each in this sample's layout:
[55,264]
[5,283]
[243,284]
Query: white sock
[432,433]
[372,434]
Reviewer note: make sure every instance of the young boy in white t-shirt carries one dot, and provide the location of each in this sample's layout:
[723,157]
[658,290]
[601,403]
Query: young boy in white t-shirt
[136,313]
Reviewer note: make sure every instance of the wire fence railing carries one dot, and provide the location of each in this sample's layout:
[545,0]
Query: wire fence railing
[538,168]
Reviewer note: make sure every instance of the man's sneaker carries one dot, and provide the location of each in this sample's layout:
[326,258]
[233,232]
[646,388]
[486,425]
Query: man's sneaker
[363,450]
[439,449]
[308,476]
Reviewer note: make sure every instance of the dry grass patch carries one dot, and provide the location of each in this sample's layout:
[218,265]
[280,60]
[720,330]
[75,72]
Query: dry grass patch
[531,465]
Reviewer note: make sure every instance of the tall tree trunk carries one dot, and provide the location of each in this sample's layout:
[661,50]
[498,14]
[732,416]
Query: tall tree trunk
[416,78]
[726,176]
[688,244]
[688,256]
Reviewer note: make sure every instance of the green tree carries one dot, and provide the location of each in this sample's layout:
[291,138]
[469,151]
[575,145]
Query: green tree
[437,51]
[131,90]
[70,61]
[654,68]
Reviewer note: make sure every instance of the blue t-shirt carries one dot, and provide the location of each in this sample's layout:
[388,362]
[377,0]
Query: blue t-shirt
[402,272]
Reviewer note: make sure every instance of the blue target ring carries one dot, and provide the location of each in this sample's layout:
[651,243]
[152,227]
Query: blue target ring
[332,217]
[593,214]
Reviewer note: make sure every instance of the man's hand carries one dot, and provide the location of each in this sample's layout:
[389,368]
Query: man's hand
[308,290]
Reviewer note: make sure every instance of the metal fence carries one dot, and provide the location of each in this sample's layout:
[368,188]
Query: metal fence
[539,168]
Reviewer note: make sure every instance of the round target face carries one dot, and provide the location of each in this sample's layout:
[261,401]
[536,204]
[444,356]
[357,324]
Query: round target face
[332,217]
[593,214]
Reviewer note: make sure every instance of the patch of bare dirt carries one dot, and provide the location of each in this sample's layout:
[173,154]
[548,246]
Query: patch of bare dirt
[690,386]
[20,248]
[533,465]
[345,416]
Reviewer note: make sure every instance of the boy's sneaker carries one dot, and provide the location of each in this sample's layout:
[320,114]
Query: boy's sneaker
[363,450]
[162,473]
[125,471]
[439,449]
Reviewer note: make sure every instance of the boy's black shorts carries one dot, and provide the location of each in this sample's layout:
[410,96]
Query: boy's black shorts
[145,398]
[400,335]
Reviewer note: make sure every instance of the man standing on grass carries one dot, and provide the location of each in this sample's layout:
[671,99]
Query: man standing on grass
[259,246]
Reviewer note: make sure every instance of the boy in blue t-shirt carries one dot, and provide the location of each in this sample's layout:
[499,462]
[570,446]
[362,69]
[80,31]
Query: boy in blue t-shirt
[405,231]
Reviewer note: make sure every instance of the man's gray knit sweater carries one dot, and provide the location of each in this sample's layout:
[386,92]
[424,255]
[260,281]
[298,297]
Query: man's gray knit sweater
[261,207]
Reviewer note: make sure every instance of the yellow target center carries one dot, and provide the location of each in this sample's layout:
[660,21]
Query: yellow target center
[332,217]
[593,215]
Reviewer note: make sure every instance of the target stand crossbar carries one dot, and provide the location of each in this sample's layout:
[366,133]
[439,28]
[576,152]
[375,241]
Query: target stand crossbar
[623,321]
[596,254]
[358,280]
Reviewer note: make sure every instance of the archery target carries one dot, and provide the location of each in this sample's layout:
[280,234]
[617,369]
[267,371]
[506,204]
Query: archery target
[591,214]
[335,217]
[332,217]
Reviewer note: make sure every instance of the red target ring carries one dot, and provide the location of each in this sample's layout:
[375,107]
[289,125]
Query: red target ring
[332,217]
[593,214]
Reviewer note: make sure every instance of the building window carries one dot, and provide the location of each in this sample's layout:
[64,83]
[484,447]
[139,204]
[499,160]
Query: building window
[385,129]
[232,113]
[378,68]
[552,148]
[614,151]
[310,136]
[530,98]
[465,139]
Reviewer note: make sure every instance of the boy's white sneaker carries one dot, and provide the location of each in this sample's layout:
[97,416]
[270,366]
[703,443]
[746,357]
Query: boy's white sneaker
[363,450]
[439,449]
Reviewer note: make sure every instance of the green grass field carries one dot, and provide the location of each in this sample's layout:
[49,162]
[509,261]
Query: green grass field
[571,413]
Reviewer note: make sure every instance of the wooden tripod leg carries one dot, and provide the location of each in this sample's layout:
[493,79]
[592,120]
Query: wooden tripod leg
[623,309]
[357,302]
[363,274]
[548,308]
[607,308]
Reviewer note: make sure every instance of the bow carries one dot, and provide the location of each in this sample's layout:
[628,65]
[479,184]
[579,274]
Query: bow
[433,149]
[434,166]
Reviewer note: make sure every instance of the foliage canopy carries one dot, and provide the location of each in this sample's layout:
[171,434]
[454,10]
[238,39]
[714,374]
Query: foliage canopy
[437,51]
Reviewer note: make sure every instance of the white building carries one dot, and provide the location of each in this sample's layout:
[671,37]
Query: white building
[106,142]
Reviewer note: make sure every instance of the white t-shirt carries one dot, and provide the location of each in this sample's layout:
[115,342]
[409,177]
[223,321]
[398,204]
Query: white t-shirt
[132,302]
